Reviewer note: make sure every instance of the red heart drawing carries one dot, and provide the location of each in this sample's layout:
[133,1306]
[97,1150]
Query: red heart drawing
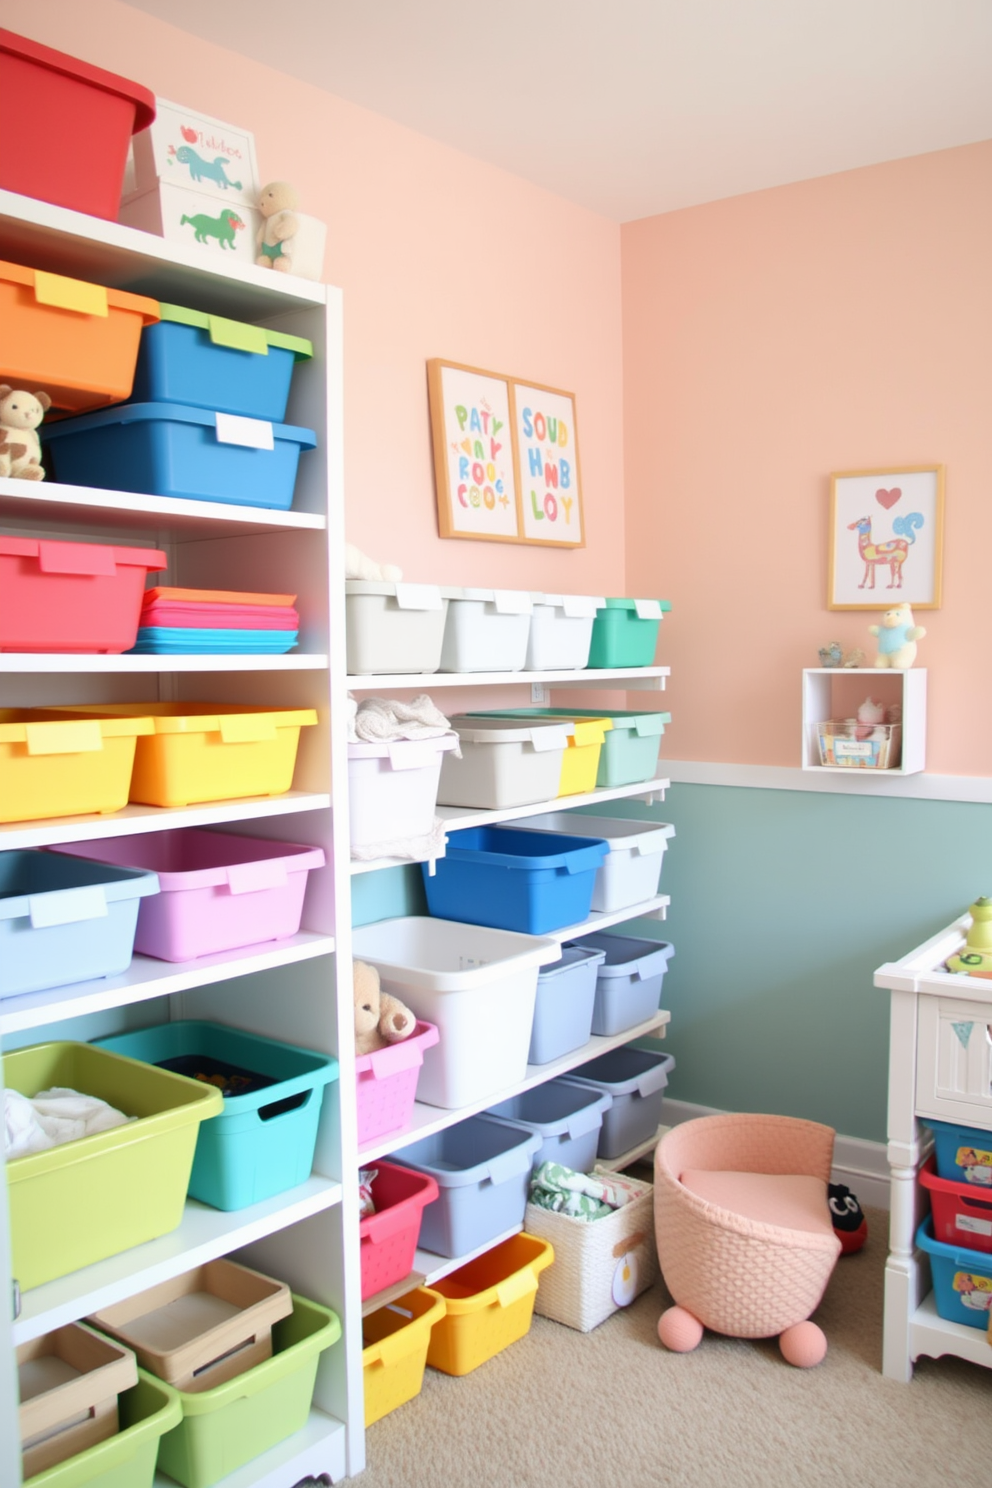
[888,498]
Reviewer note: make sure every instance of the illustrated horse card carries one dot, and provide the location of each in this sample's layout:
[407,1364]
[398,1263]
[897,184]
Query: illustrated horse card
[886,532]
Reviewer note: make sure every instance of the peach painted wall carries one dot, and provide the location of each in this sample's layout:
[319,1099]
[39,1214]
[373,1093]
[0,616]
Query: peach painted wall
[438,255]
[841,323]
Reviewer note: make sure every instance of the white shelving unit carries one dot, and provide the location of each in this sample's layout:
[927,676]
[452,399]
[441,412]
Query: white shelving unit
[821,688]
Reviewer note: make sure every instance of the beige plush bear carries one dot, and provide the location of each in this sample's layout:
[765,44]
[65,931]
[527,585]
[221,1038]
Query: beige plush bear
[357,565]
[379,1018]
[277,203]
[20,415]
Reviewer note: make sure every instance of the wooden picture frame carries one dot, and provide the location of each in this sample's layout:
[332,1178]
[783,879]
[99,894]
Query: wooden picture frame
[886,538]
[474,465]
[546,454]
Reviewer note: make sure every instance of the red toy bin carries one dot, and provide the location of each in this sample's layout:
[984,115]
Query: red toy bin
[962,1212]
[71,596]
[387,1083]
[74,122]
[389,1236]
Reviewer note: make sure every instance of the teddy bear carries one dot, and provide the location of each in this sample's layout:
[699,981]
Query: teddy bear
[357,565]
[897,638]
[277,203]
[20,447]
[379,1018]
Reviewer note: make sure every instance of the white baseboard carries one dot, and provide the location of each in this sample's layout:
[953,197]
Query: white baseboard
[859,1164]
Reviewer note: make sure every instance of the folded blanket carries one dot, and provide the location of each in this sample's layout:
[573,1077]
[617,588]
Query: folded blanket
[581,1195]
[53,1117]
[379,719]
[410,849]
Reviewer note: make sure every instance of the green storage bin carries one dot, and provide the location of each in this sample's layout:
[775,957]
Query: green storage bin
[226,1427]
[630,749]
[622,637]
[85,1200]
[128,1459]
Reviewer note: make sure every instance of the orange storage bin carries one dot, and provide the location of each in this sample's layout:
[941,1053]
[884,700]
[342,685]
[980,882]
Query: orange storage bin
[77,342]
[52,766]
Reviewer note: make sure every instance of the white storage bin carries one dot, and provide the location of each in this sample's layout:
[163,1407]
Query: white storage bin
[505,762]
[476,985]
[561,631]
[632,868]
[394,627]
[392,788]
[487,630]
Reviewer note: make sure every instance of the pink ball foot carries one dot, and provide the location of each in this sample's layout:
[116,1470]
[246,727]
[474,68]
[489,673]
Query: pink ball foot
[679,1330]
[803,1345]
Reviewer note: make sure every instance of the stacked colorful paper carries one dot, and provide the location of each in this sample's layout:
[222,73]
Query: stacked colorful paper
[185,621]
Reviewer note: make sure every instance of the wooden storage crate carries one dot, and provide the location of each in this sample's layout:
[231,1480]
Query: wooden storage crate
[69,1381]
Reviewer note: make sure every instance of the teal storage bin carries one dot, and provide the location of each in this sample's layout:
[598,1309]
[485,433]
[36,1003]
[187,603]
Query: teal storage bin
[630,749]
[625,634]
[227,1426]
[127,1459]
[263,1141]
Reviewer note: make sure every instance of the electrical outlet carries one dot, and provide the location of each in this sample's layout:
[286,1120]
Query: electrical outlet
[538,692]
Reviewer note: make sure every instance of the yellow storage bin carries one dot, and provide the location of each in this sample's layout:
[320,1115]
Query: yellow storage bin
[580,765]
[489,1304]
[65,767]
[208,751]
[394,1356]
[85,1200]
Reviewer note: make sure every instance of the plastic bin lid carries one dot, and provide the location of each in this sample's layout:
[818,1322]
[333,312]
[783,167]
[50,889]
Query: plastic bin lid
[404,754]
[66,891]
[77,294]
[238,334]
[407,596]
[543,734]
[237,723]
[91,559]
[575,606]
[626,1070]
[511,1151]
[109,82]
[653,608]
[626,956]
[425,951]
[573,955]
[622,834]
[175,413]
[195,858]
[506,847]
[507,601]
[642,724]
[44,732]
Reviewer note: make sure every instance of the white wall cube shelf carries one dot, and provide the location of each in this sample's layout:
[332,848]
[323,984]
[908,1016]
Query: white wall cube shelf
[828,694]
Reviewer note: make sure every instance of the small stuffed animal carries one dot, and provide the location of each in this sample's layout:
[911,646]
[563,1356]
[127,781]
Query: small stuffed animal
[20,415]
[850,1225]
[358,566]
[277,203]
[379,1018]
[897,638]
[870,715]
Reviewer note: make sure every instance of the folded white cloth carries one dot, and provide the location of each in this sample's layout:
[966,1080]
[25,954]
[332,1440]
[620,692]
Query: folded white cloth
[53,1117]
[377,719]
[410,849]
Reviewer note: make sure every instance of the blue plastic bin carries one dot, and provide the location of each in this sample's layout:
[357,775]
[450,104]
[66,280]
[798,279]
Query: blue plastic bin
[262,1142]
[962,1279]
[482,1169]
[205,361]
[566,995]
[525,881]
[65,920]
[165,449]
[566,1116]
[964,1153]
[181,640]
[628,981]
[636,1081]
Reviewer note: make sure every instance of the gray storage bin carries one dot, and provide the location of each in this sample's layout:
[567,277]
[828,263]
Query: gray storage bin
[482,1169]
[566,994]
[636,1079]
[628,983]
[567,1117]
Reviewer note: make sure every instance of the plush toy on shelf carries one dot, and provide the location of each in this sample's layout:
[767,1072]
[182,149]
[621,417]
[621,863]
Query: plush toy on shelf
[357,565]
[20,448]
[897,638]
[277,203]
[379,1018]
[871,717]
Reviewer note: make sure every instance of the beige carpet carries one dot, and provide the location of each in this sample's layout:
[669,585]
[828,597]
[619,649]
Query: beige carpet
[613,1409]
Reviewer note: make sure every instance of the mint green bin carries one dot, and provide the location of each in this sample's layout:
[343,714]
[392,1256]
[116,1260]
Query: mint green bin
[126,1460]
[227,1426]
[625,634]
[630,748]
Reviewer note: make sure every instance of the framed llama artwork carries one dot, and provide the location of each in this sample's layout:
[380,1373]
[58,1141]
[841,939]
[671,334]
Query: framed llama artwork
[886,538]
[474,466]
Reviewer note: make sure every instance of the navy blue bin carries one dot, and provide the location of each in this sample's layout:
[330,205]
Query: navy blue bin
[166,449]
[531,882]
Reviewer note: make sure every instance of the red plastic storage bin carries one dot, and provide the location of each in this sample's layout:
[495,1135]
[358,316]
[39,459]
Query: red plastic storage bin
[387,1083]
[74,123]
[71,596]
[962,1212]
[389,1236]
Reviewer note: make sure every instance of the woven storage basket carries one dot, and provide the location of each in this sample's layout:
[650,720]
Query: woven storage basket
[600,1265]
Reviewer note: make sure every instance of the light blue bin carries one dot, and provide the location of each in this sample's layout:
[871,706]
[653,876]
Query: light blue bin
[566,1116]
[566,995]
[628,981]
[167,449]
[65,920]
[262,1143]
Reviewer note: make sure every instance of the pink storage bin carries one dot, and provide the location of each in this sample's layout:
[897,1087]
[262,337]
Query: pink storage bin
[387,1083]
[218,892]
[71,596]
[389,1236]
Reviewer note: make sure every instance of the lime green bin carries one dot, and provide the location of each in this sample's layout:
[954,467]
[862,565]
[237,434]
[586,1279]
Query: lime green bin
[85,1200]
[126,1460]
[625,634]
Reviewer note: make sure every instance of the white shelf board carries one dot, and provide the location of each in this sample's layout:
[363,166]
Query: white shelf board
[635,1154]
[434,1267]
[32,663]
[33,503]
[82,247]
[319,1447]
[933,1336]
[426,1120]
[133,819]
[146,978]
[619,679]
[650,909]
[203,1235]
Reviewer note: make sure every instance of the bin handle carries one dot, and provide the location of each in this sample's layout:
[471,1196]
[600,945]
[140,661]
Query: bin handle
[971,1203]
[94,560]
[284,1106]
[237,335]
[516,1287]
[249,878]
[506,1165]
[247,728]
[70,294]
[74,736]
[67,906]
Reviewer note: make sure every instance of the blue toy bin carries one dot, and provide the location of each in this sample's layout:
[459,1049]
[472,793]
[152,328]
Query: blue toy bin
[962,1279]
[566,996]
[167,449]
[964,1153]
[628,981]
[263,1141]
[65,920]
[566,1116]
[205,361]
[529,882]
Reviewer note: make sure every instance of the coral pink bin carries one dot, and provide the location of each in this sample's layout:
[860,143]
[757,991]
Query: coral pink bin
[71,596]
[389,1236]
[218,891]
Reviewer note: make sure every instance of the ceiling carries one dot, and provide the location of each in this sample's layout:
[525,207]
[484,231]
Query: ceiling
[635,107]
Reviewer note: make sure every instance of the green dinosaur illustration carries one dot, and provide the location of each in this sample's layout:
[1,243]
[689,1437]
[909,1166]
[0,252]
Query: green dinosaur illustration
[222,228]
